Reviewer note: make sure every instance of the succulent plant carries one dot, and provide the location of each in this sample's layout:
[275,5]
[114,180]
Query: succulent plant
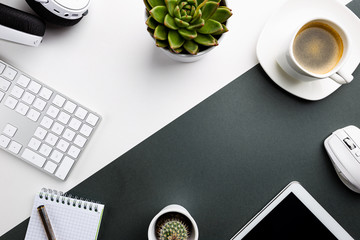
[186,24]
[173,229]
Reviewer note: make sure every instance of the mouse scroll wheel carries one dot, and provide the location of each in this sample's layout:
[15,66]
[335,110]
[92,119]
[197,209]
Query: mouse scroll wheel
[349,143]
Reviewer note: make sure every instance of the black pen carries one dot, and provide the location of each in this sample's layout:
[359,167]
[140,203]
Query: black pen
[46,222]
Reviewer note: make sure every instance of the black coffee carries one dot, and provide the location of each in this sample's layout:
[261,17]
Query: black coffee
[318,48]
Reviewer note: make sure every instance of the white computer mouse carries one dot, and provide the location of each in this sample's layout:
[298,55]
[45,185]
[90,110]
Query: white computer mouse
[343,147]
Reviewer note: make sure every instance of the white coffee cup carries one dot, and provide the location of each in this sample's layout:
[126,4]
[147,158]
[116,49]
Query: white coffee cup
[290,60]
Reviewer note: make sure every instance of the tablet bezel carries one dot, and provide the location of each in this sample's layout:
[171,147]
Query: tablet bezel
[299,191]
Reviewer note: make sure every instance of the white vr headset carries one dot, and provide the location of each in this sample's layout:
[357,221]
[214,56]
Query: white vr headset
[24,28]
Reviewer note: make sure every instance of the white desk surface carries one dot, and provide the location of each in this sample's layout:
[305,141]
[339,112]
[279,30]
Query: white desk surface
[109,63]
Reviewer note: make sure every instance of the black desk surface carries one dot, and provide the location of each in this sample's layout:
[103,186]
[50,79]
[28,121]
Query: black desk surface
[226,158]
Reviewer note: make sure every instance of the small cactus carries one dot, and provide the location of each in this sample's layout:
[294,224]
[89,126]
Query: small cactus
[173,229]
[185,24]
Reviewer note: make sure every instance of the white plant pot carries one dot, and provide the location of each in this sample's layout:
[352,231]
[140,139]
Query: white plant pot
[176,209]
[187,58]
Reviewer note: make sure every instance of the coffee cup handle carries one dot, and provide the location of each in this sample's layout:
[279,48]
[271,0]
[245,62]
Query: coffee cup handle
[342,77]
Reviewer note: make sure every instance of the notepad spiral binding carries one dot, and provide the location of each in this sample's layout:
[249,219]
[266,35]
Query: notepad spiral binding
[68,199]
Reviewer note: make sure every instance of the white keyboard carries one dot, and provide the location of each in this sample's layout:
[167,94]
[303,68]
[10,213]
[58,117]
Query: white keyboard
[40,125]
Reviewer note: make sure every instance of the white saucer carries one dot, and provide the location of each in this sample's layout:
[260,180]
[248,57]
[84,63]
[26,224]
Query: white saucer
[276,35]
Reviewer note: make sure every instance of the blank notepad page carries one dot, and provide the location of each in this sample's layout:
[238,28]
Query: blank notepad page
[69,222]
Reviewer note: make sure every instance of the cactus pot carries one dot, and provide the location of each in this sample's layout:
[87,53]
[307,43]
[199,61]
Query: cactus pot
[187,57]
[169,212]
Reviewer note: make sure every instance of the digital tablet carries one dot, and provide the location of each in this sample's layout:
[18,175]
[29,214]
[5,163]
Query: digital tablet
[292,214]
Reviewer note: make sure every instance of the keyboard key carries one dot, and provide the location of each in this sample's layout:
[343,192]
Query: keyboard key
[10,130]
[53,111]
[86,130]
[51,139]
[75,124]
[17,92]
[45,150]
[69,107]
[39,104]
[15,147]
[57,128]
[80,141]
[4,141]
[81,113]
[34,87]
[4,84]
[1,95]
[28,98]
[23,81]
[56,156]
[62,145]
[22,109]
[64,168]
[33,157]
[40,133]
[33,115]
[74,151]
[50,167]
[92,119]
[69,134]
[10,73]
[34,144]
[45,93]
[46,122]
[2,67]
[59,101]
[11,102]
[64,117]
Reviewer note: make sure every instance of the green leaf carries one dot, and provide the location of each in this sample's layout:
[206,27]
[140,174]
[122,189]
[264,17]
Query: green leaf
[191,47]
[171,4]
[151,31]
[217,1]
[175,39]
[198,13]
[206,40]
[151,22]
[225,29]
[177,13]
[193,8]
[177,50]
[222,14]
[160,32]
[180,23]
[186,18]
[211,26]
[209,9]
[187,34]
[187,7]
[182,4]
[192,2]
[148,7]
[159,13]
[170,22]
[154,3]
[162,44]
[197,24]
[196,16]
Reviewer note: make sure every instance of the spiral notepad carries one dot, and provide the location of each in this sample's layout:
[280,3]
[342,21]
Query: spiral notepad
[70,217]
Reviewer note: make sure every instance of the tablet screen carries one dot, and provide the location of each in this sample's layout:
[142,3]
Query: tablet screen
[290,219]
